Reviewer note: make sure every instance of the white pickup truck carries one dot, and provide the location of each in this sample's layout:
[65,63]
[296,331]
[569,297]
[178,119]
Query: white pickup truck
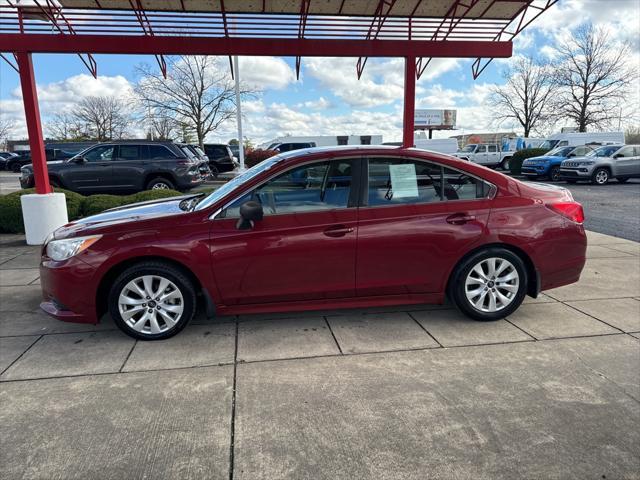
[488,154]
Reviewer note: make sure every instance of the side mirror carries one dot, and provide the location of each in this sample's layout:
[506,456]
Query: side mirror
[618,155]
[250,212]
[571,155]
[79,160]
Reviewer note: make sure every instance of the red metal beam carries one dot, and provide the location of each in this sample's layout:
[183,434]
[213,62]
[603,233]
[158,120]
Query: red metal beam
[304,14]
[382,12]
[10,63]
[309,47]
[148,30]
[408,123]
[34,127]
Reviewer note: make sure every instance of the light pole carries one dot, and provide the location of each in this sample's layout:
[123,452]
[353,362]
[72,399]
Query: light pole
[239,113]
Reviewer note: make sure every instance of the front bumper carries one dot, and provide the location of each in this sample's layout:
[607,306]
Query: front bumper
[575,173]
[27,181]
[68,290]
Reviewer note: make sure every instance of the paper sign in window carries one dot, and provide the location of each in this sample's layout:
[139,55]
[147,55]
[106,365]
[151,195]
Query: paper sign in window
[404,182]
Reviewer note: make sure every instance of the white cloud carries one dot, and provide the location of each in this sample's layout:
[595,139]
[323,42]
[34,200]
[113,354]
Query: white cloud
[263,73]
[319,104]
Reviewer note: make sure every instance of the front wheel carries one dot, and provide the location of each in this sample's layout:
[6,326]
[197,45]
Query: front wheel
[152,301]
[600,176]
[554,174]
[489,285]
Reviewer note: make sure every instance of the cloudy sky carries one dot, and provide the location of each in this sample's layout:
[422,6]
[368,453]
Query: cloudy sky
[328,98]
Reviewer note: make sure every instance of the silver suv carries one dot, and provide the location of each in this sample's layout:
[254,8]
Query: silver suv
[621,162]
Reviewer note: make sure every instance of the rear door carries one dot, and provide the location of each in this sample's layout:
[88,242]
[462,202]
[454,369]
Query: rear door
[95,174]
[416,220]
[129,167]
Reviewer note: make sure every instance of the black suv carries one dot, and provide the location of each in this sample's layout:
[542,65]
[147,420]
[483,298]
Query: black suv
[220,157]
[14,164]
[122,166]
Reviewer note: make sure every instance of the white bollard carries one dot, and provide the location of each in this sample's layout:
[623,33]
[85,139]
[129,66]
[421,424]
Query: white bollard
[42,214]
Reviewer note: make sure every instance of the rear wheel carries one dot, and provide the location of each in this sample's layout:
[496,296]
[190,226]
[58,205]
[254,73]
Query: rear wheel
[600,176]
[504,165]
[160,183]
[554,174]
[152,301]
[489,285]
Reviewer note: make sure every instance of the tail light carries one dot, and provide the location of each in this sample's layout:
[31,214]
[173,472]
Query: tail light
[571,210]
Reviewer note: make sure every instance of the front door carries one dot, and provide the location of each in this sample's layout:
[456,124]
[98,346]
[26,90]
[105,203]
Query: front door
[418,218]
[94,173]
[305,246]
[627,161]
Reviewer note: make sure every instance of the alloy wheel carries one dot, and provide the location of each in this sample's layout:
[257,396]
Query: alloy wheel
[492,284]
[160,186]
[151,304]
[601,177]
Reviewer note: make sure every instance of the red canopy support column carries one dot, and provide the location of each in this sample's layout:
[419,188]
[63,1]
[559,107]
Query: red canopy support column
[408,123]
[34,127]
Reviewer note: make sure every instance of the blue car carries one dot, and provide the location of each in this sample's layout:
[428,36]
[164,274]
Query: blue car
[548,165]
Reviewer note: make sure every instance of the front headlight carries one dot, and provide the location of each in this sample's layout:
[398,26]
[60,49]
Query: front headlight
[59,250]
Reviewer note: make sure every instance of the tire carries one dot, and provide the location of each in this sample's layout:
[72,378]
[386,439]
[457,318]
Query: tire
[160,183]
[14,167]
[554,174]
[622,179]
[600,176]
[466,279]
[152,319]
[504,165]
[214,171]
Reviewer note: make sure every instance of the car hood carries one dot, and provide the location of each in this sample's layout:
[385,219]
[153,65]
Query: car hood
[543,157]
[134,212]
[52,163]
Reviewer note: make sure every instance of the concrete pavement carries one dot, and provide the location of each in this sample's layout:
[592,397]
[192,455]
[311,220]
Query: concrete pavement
[404,392]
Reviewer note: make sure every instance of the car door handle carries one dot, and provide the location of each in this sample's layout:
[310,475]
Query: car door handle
[337,231]
[460,218]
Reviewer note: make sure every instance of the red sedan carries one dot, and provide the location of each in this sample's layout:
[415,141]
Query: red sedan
[316,229]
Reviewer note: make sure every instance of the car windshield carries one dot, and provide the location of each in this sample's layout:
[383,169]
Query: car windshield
[560,152]
[468,149]
[605,151]
[549,144]
[238,181]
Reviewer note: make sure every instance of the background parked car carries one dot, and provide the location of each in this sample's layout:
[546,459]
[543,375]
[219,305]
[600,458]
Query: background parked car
[621,162]
[548,165]
[488,154]
[4,156]
[14,164]
[197,155]
[221,158]
[123,167]
[289,146]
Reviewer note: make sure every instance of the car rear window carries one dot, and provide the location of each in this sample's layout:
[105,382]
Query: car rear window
[160,151]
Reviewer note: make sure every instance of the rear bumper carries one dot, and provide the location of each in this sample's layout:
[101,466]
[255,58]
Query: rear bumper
[68,290]
[560,261]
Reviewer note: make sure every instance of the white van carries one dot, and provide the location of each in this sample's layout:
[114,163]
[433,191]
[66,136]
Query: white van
[576,139]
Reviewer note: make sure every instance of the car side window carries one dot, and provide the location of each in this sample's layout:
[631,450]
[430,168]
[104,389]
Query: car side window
[493,148]
[581,151]
[308,188]
[100,154]
[157,152]
[625,152]
[395,181]
[460,186]
[129,152]
[403,181]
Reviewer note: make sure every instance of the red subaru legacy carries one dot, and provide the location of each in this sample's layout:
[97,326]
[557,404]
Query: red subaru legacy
[316,229]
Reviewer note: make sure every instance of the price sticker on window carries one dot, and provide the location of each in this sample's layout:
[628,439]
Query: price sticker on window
[404,182]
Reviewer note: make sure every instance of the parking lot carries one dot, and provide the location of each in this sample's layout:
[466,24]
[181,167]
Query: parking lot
[551,392]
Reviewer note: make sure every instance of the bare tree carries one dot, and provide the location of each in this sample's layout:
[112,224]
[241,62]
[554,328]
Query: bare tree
[526,95]
[161,126]
[6,126]
[592,77]
[632,135]
[198,93]
[65,126]
[105,118]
